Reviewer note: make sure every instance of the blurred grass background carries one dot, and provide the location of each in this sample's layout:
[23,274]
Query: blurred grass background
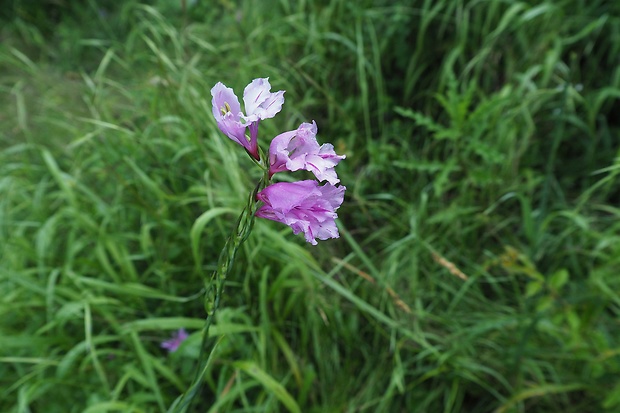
[478,268]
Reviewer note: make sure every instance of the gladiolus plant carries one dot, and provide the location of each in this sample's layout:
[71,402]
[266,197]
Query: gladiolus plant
[306,206]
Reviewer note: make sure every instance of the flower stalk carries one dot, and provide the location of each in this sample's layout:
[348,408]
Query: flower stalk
[215,288]
[305,206]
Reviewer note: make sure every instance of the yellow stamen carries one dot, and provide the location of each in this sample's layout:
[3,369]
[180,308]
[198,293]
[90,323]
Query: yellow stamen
[225,109]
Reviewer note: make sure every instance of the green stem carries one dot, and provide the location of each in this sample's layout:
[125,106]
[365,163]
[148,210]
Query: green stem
[213,296]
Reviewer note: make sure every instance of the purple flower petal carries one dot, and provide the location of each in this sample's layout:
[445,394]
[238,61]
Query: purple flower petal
[299,149]
[224,100]
[260,103]
[227,113]
[305,206]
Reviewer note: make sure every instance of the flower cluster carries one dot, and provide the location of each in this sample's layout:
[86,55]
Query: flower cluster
[305,206]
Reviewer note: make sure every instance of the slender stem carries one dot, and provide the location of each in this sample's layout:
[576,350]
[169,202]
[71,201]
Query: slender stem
[213,295]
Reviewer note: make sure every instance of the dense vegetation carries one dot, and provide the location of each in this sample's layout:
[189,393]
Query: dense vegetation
[478,268]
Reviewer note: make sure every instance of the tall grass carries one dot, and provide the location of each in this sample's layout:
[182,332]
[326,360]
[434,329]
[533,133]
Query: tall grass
[478,259]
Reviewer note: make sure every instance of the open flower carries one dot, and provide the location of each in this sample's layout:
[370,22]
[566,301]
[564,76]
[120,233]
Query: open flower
[177,338]
[304,206]
[260,104]
[299,149]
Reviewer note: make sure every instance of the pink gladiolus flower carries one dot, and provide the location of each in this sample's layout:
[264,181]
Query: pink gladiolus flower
[299,149]
[304,206]
[260,104]
[177,338]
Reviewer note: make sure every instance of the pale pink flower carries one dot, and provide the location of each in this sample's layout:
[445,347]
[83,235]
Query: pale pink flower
[259,102]
[299,149]
[305,206]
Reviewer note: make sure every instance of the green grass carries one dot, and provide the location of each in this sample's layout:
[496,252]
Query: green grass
[477,269]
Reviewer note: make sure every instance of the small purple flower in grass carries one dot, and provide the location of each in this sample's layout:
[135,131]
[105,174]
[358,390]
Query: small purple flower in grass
[304,206]
[299,149]
[260,104]
[177,338]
